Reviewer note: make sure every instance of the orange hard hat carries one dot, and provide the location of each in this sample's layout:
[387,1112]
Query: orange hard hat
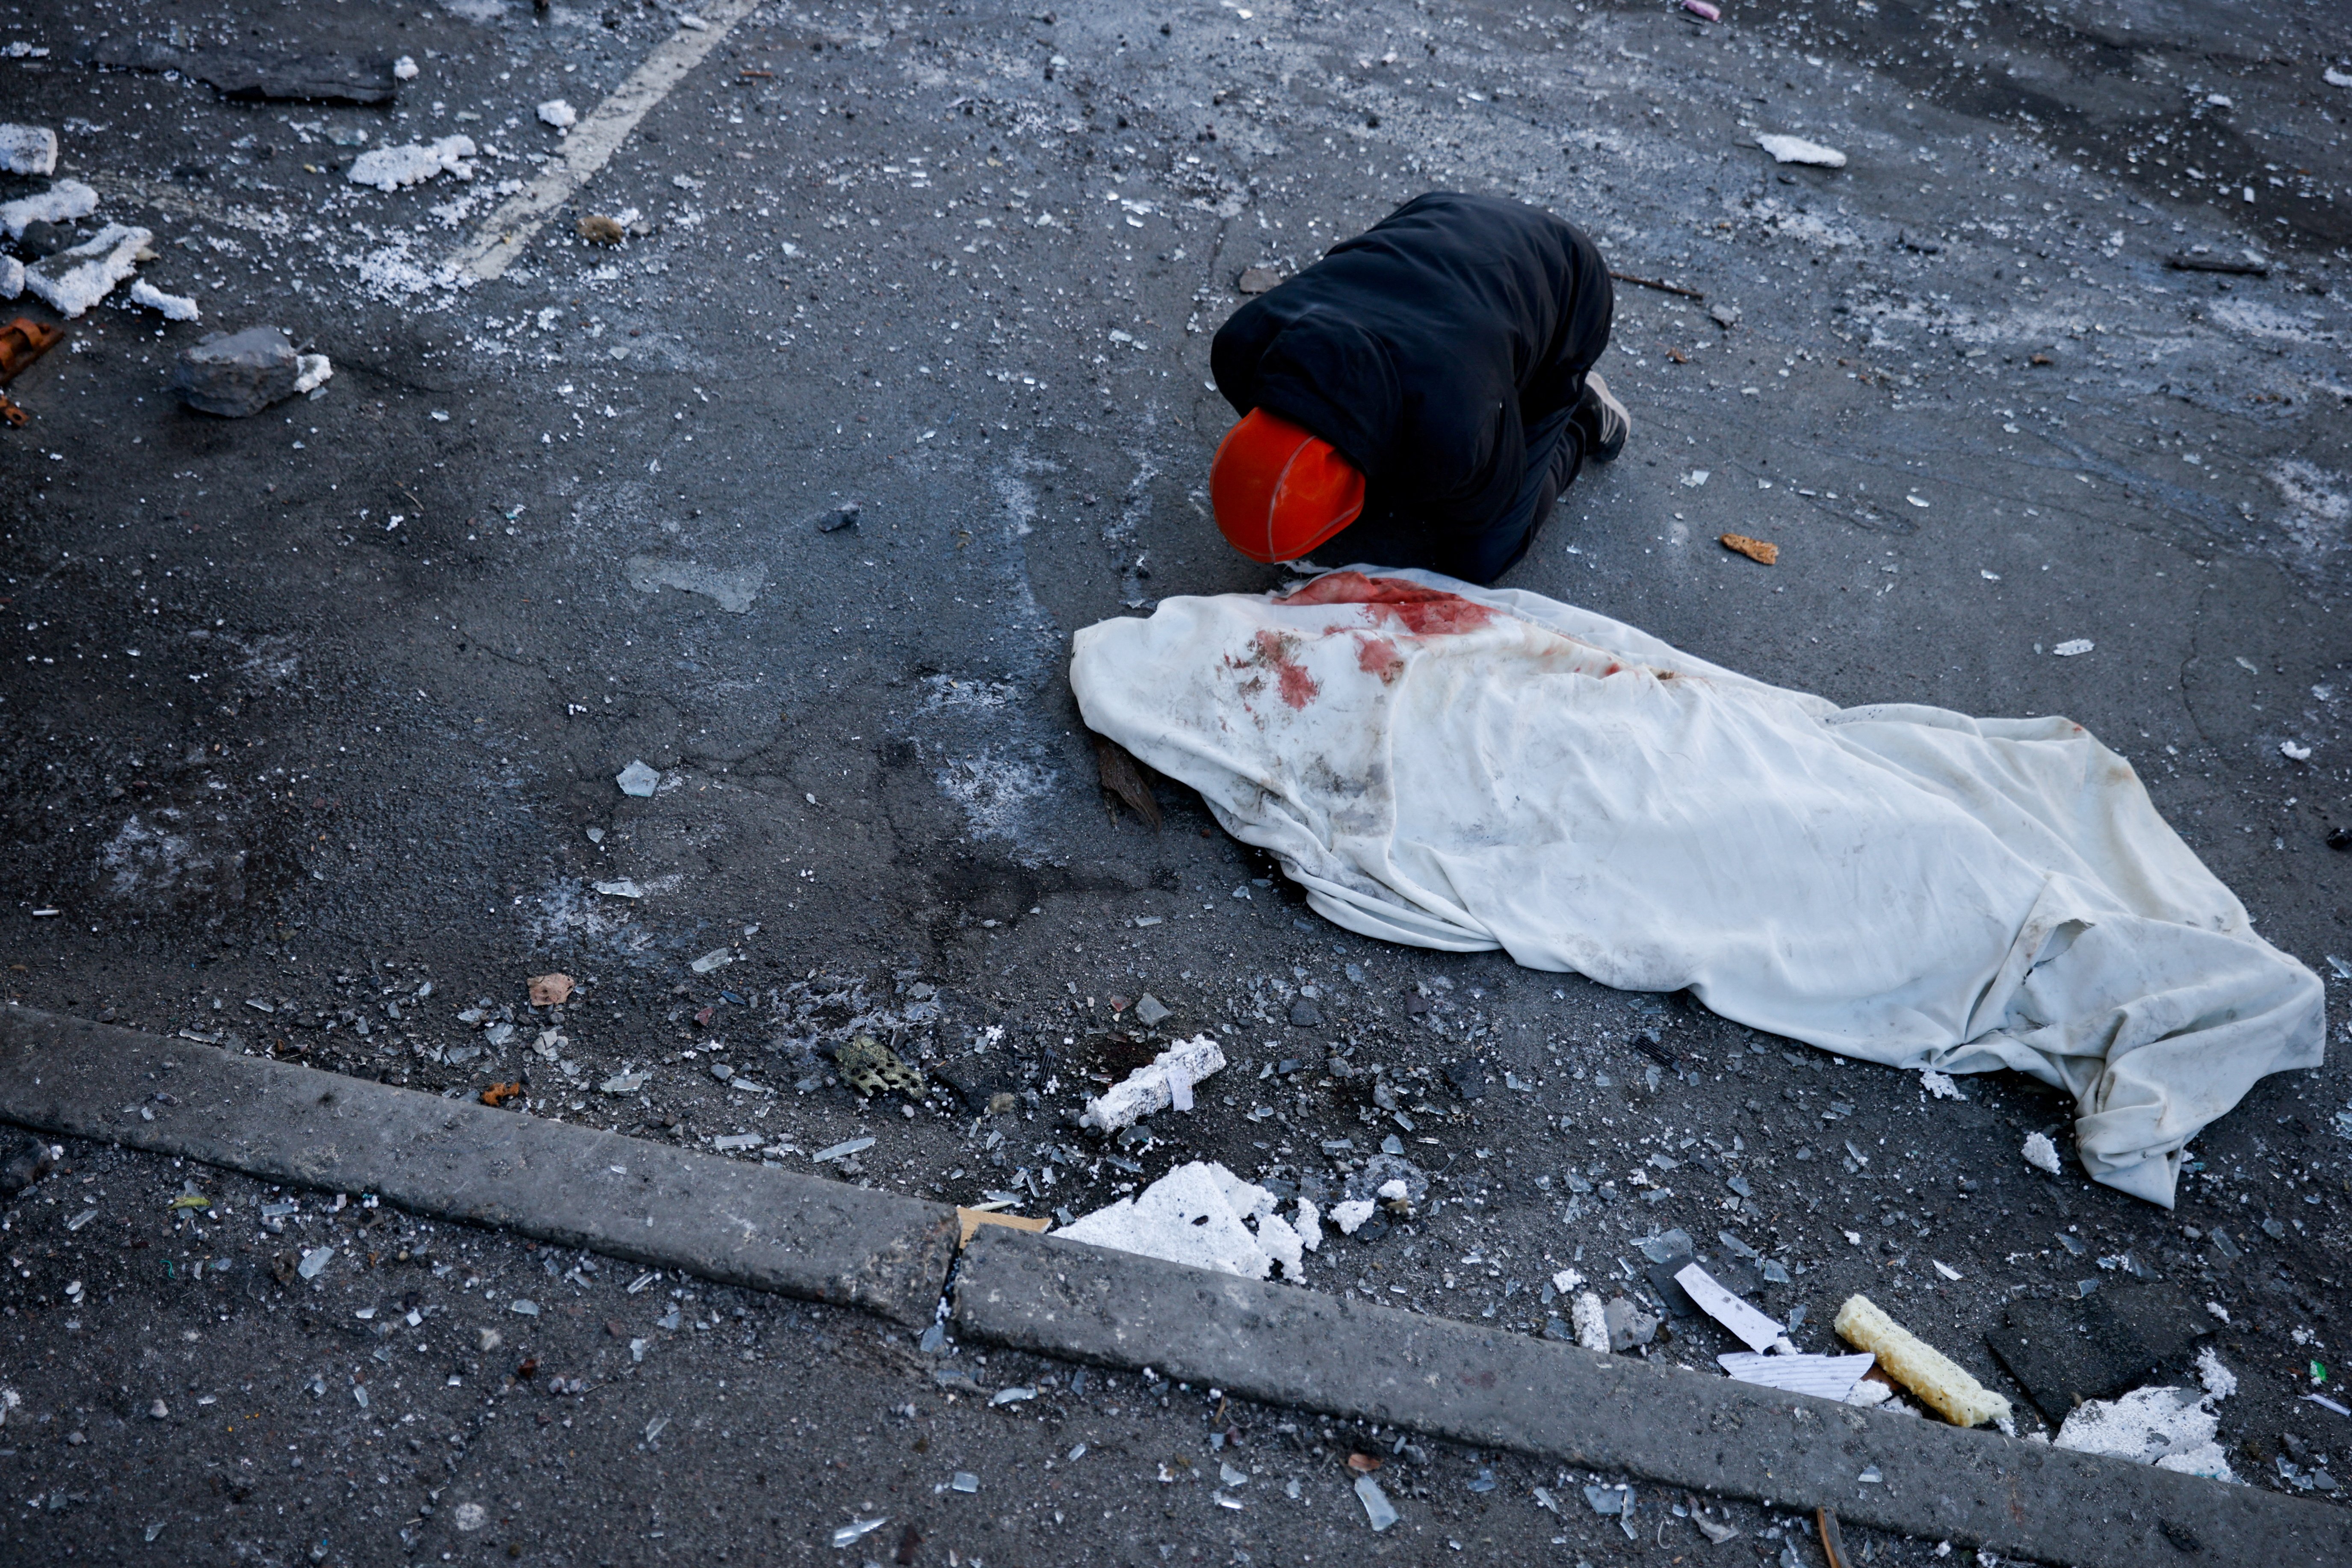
[1278,491]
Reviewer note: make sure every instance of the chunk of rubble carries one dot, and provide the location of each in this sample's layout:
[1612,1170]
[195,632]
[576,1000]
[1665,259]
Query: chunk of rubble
[257,74]
[73,280]
[24,1160]
[233,374]
[1202,1215]
[28,149]
[390,168]
[61,203]
[1166,1081]
[171,307]
[1591,1320]
[2171,1429]
[558,114]
[1797,150]
[1627,1325]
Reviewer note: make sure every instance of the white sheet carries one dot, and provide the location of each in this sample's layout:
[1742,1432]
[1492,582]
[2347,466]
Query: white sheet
[1464,769]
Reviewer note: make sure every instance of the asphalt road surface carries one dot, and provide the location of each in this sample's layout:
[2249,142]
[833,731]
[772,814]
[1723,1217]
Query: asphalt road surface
[314,719]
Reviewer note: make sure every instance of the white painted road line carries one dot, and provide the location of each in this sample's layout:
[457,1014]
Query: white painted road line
[593,140]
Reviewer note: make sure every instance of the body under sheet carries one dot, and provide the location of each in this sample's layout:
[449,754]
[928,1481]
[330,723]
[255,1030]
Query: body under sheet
[1468,769]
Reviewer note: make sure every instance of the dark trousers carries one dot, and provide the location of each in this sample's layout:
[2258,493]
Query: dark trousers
[1555,446]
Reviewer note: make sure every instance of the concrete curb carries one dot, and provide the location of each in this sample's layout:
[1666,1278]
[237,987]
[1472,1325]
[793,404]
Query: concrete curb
[669,1208]
[1347,1358]
[799,1235]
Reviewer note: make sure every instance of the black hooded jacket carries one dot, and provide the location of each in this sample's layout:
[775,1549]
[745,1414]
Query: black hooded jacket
[1423,348]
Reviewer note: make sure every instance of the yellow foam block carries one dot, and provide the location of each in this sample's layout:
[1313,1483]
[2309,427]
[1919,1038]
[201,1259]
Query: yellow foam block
[969,1220]
[1942,1384]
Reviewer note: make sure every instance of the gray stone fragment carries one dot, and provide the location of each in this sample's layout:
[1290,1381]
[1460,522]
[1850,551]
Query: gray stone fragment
[1149,1011]
[42,237]
[1304,1014]
[237,374]
[24,1160]
[258,73]
[1628,1325]
[637,780]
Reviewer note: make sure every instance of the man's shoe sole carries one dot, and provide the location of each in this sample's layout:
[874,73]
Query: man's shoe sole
[1604,452]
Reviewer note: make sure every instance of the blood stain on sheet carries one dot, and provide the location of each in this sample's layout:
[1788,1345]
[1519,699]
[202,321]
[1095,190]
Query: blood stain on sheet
[1378,656]
[1423,612]
[1276,650]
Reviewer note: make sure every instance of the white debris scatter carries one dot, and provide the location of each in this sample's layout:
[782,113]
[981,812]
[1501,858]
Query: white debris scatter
[2335,77]
[2171,1429]
[2295,752]
[555,112]
[2072,646]
[1797,150]
[11,278]
[390,168]
[2040,1154]
[71,282]
[1352,1213]
[61,203]
[311,372]
[1204,1217]
[1941,1085]
[171,307]
[1166,1081]
[395,273]
[28,149]
[997,793]
[404,67]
